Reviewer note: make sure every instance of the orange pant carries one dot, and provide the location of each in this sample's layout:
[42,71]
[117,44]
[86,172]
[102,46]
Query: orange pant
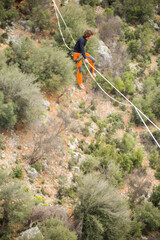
[79,65]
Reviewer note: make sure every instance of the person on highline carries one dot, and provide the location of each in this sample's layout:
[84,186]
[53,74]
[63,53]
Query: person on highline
[79,53]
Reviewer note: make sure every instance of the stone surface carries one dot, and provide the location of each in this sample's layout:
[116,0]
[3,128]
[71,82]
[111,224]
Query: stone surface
[104,55]
[31,234]
[32,173]
[46,103]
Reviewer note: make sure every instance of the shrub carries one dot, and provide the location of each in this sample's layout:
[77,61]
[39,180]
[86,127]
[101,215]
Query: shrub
[116,120]
[157,173]
[38,166]
[157,45]
[8,117]
[38,14]
[15,204]
[154,158]
[119,84]
[3,60]
[54,229]
[7,12]
[23,98]
[128,79]
[90,2]
[137,157]
[40,19]
[128,143]
[140,13]
[89,164]
[149,216]
[133,47]
[138,187]
[49,65]
[155,197]
[100,210]
[17,172]
[149,84]
[109,29]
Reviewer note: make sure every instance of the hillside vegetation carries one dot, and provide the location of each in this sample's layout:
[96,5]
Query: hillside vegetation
[75,165]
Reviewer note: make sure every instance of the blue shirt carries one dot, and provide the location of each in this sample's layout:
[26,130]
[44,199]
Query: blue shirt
[79,46]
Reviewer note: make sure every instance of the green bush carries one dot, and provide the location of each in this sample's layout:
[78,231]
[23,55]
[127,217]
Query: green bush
[55,229]
[106,86]
[116,120]
[15,204]
[137,157]
[17,172]
[149,216]
[155,197]
[38,166]
[90,164]
[134,47]
[154,158]
[92,3]
[129,80]
[149,85]
[7,12]
[135,11]
[40,19]
[157,173]
[51,66]
[157,45]
[128,143]
[38,13]
[8,117]
[21,100]
[119,84]
[102,212]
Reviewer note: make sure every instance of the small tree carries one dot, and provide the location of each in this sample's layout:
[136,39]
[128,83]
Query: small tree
[39,14]
[15,203]
[149,216]
[50,65]
[138,187]
[89,2]
[20,98]
[7,12]
[47,138]
[157,45]
[103,214]
[54,229]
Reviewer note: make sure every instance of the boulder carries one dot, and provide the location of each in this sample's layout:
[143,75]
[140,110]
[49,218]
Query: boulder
[104,55]
[31,234]
[46,103]
[32,173]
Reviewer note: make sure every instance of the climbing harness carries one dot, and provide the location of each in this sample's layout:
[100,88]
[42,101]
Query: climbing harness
[139,112]
[76,61]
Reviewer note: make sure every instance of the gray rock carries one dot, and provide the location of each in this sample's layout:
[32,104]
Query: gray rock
[31,234]
[46,103]
[76,169]
[3,155]
[156,26]
[32,173]
[104,55]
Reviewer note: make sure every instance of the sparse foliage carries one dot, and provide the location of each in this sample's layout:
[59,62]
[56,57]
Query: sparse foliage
[15,203]
[47,138]
[20,98]
[101,210]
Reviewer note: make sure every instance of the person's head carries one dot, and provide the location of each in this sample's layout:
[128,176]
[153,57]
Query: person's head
[88,34]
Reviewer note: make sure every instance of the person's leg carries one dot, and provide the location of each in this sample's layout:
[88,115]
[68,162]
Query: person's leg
[92,62]
[76,56]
